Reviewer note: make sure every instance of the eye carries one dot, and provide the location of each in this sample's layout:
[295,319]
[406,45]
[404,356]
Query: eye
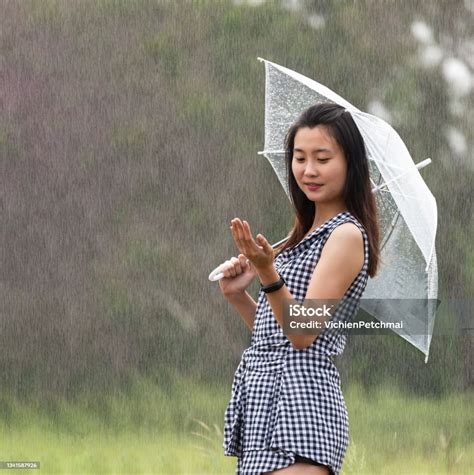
[298,159]
[323,160]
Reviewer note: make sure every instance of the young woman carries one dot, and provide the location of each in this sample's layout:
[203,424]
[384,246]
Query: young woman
[287,414]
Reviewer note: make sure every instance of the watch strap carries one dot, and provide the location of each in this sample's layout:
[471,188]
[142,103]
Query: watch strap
[274,286]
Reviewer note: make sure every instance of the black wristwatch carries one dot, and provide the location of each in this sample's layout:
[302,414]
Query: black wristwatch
[274,286]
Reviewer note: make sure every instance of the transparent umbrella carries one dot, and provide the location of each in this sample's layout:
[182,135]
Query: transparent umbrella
[406,286]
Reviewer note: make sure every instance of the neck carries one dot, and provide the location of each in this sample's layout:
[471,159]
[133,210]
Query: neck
[325,212]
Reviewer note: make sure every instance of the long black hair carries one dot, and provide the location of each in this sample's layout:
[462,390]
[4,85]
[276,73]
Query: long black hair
[357,193]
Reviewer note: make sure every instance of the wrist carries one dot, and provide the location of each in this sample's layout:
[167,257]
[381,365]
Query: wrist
[268,275]
[235,296]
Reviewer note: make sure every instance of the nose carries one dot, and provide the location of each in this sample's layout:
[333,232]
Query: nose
[311,169]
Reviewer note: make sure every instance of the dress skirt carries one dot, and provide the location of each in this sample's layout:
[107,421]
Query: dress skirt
[284,403]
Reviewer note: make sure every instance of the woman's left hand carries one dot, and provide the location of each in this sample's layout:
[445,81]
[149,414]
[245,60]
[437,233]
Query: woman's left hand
[260,254]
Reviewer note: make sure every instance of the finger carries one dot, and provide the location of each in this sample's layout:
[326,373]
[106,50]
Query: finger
[238,228]
[246,239]
[239,233]
[243,261]
[249,246]
[231,270]
[236,262]
[267,247]
[235,235]
[248,235]
[228,270]
[233,229]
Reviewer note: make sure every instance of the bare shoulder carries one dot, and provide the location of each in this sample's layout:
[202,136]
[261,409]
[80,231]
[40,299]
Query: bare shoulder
[341,259]
[347,242]
[348,233]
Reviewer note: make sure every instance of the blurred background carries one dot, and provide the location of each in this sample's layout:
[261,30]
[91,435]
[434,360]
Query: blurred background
[129,133]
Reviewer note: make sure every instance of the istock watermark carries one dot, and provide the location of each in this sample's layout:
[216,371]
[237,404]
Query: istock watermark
[308,317]
[378,316]
[297,310]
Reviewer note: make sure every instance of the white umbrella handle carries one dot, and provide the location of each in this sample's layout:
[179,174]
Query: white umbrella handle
[217,273]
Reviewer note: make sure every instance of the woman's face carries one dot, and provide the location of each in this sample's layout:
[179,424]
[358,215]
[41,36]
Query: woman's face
[318,159]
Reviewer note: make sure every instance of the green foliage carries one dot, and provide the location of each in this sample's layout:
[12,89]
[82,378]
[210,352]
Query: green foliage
[129,141]
[197,111]
[162,49]
[49,12]
[120,309]
[7,147]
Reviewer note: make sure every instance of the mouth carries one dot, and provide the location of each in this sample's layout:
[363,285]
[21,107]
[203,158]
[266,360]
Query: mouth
[313,186]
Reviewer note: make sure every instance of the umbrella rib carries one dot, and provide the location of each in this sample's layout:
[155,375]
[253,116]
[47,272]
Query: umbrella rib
[390,231]
[418,166]
[400,194]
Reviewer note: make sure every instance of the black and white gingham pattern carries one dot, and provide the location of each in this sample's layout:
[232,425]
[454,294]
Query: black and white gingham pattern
[286,401]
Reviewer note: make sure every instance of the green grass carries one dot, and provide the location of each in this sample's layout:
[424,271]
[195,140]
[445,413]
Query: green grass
[178,429]
[392,433]
[103,452]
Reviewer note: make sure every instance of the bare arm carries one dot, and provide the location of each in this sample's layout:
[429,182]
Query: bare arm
[341,259]
[245,305]
[237,277]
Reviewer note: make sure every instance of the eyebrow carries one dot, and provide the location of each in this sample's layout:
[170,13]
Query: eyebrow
[316,150]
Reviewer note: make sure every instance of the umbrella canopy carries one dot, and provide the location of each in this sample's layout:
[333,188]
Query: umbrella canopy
[406,207]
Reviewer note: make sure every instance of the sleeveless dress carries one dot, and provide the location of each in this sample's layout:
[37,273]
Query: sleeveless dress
[287,402]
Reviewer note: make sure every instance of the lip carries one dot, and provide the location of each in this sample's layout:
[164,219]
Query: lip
[313,186]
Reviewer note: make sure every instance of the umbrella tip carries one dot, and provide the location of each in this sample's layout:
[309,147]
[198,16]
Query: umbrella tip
[423,163]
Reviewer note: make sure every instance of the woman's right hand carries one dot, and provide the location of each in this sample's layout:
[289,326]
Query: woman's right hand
[238,275]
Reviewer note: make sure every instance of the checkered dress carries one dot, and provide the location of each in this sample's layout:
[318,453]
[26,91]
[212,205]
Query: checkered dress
[287,402]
